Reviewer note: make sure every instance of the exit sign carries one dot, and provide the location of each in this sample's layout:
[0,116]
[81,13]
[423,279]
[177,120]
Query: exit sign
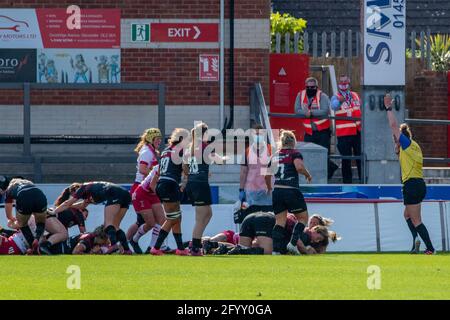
[184,32]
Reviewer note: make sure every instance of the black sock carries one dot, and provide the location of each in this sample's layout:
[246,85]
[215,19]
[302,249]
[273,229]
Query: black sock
[40,228]
[26,231]
[423,232]
[122,238]
[413,230]
[47,244]
[298,229]
[179,240]
[111,232]
[278,238]
[162,236]
[196,243]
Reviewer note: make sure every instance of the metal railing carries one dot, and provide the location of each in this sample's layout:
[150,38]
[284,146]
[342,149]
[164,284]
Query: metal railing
[429,122]
[27,139]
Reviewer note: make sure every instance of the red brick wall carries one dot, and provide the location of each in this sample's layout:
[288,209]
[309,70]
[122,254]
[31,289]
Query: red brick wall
[429,101]
[178,68]
[164,9]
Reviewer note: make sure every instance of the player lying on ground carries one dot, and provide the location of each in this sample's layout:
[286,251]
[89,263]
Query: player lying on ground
[117,201]
[96,242]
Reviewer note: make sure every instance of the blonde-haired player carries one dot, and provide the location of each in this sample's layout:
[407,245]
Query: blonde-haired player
[287,197]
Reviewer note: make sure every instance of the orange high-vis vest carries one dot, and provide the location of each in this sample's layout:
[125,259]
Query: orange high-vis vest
[348,127]
[321,124]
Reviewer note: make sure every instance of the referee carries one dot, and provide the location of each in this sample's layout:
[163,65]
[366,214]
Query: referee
[414,188]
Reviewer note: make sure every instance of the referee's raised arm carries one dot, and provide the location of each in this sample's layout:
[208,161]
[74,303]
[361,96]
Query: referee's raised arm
[391,118]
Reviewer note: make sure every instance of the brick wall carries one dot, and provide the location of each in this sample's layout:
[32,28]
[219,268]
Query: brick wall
[164,9]
[429,101]
[176,67]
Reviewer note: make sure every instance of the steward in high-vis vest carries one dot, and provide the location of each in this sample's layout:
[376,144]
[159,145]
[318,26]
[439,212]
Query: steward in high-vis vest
[347,103]
[315,106]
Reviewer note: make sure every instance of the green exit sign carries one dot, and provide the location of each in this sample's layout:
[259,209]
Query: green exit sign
[140,32]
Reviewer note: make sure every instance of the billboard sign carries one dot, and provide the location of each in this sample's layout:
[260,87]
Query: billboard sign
[17,65]
[78,66]
[54,28]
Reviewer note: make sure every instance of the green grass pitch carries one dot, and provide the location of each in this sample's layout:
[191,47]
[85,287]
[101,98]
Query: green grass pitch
[329,276]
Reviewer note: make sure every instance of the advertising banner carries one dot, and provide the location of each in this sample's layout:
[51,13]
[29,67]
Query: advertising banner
[78,66]
[59,28]
[384,27]
[17,65]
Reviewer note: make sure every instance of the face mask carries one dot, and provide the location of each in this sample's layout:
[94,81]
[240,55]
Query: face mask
[311,92]
[344,86]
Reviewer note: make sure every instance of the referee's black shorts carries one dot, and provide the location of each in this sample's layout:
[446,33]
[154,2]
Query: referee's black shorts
[414,191]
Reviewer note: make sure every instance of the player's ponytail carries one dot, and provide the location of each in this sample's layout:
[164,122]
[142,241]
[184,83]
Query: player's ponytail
[63,196]
[200,127]
[406,130]
[333,236]
[178,135]
[74,187]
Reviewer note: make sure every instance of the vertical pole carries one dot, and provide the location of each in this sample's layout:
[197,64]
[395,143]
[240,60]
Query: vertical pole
[278,43]
[413,51]
[441,213]
[350,54]
[333,44]
[315,44]
[162,110]
[377,227]
[306,42]
[296,37]
[222,64]
[428,49]
[287,43]
[26,120]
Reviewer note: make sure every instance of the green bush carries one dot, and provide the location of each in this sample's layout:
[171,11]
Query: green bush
[440,51]
[283,24]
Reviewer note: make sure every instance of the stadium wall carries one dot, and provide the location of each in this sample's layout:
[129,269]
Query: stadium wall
[429,100]
[356,221]
[177,65]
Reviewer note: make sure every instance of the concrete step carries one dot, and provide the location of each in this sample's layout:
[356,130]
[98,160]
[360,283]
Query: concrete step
[436,172]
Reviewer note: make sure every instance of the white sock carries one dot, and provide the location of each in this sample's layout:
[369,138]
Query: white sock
[155,234]
[140,232]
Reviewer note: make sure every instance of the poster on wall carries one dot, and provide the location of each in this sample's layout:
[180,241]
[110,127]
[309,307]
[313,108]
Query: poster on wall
[55,28]
[78,66]
[17,65]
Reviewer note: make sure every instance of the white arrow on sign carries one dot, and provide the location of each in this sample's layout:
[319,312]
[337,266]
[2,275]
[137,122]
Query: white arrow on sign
[197,30]
[282,72]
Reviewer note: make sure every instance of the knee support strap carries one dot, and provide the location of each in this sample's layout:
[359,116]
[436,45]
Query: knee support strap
[173,215]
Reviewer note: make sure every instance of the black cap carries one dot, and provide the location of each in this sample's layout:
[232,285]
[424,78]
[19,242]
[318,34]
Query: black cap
[4,182]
